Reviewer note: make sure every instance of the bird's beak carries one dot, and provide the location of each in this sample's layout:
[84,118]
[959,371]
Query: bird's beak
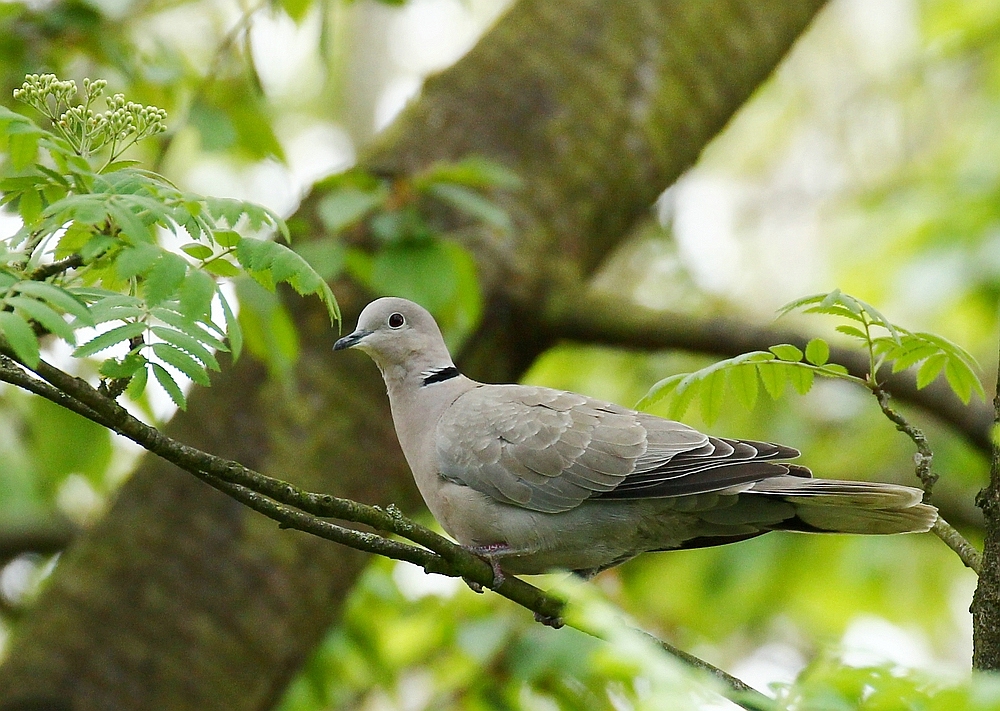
[350,340]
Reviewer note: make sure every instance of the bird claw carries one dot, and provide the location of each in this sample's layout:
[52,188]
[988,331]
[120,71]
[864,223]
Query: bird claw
[474,586]
[490,554]
[555,622]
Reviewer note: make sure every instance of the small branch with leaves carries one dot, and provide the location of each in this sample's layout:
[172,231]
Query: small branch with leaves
[886,345]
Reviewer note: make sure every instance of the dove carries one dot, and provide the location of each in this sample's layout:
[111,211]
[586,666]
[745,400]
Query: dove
[537,479]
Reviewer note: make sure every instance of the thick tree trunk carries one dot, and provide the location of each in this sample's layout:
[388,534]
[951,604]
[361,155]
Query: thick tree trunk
[180,599]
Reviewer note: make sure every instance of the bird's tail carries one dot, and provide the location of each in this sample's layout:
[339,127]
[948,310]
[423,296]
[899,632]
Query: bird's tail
[832,506]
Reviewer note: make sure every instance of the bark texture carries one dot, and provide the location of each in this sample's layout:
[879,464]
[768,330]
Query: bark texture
[179,598]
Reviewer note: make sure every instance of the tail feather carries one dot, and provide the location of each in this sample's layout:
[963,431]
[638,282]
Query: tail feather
[829,505]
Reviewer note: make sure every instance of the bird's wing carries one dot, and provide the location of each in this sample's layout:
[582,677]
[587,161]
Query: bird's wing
[549,450]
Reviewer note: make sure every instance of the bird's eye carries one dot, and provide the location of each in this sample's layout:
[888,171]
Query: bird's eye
[396,320]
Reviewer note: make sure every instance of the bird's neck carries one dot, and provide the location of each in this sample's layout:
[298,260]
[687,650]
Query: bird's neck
[419,397]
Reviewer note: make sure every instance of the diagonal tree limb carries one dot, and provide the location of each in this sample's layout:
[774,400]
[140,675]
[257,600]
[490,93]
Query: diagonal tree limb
[291,507]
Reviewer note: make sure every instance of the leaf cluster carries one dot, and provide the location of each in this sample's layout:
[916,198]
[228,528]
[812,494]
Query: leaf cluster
[88,254]
[888,346]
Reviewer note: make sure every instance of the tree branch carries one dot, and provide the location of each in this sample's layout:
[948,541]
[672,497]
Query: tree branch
[294,508]
[581,315]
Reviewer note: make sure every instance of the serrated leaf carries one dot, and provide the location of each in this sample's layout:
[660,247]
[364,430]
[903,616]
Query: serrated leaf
[222,268]
[183,323]
[226,238]
[911,356]
[772,374]
[137,385]
[171,355]
[188,342]
[30,206]
[233,331]
[196,294]
[49,319]
[681,401]
[20,337]
[110,338]
[713,393]
[198,251]
[801,378]
[162,280]
[817,351]
[787,352]
[125,368]
[836,369]
[56,296]
[128,222]
[661,389]
[853,332]
[137,260]
[743,379]
[963,380]
[167,382]
[22,149]
[930,369]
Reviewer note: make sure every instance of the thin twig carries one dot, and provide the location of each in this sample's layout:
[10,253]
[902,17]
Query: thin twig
[966,552]
[63,265]
[924,456]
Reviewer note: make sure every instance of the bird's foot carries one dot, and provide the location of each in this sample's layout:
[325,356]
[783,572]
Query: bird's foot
[491,553]
[553,622]
[474,586]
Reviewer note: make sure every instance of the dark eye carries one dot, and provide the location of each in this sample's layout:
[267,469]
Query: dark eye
[396,320]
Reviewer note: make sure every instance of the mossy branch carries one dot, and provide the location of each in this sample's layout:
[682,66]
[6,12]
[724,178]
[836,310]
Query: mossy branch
[295,508]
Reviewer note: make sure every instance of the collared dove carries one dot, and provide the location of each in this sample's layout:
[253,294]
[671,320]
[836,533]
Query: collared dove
[537,479]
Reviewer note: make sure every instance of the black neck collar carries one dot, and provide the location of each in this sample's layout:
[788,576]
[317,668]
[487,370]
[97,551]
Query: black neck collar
[438,375]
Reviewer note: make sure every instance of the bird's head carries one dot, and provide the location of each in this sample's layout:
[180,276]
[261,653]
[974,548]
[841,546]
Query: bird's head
[398,334]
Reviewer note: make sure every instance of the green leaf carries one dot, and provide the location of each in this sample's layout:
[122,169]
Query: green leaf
[125,368]
[226,238]
[345,207]
[474,172]
[787,352]
[221,267]
[233,330]
[196,294]
[110,338]
[198,251]
[167,382]
[473,204]
[801,378]
[137,260]
[713,392]
[772,374]
[162,280]
[817,351]
[852,332]
[661,389]
[188,342]
[30,206]
[744,382]
[963,380]
[20,337]
[137,384]
[58,297]
[171,355]
[128,222]
[49,319]
[930,369]
[22,148]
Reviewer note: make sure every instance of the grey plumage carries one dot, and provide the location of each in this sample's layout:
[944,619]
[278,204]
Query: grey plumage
[544,478]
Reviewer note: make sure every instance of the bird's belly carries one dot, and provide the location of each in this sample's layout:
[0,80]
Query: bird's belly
[592,536]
